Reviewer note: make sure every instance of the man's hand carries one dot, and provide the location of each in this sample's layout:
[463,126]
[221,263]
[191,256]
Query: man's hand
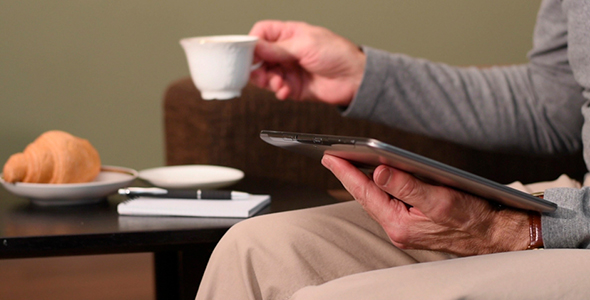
[305,62]
[417,215]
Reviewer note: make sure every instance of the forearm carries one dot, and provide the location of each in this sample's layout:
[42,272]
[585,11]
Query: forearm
[508,108]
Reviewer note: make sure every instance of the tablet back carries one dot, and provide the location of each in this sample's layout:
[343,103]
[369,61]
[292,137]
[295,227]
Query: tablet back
[369,153]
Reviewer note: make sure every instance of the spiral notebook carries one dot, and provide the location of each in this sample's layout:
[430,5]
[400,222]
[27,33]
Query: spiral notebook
[145,206]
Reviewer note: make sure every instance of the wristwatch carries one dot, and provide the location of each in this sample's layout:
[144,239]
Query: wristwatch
[535,231]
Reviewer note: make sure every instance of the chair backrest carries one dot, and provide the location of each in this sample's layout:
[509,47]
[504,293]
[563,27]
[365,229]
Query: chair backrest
[227,133]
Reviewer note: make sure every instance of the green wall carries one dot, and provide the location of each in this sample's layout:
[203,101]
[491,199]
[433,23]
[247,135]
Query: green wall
[98,69]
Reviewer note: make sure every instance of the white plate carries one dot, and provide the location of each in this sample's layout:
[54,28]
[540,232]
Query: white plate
[192,176]
[108,181]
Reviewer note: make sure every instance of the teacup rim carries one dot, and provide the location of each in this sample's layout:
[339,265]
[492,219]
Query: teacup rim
[235,38]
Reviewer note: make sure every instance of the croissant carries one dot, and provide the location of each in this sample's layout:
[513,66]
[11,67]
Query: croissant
[54,157]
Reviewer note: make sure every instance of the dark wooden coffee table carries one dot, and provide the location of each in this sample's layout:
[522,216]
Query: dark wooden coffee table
[181,246]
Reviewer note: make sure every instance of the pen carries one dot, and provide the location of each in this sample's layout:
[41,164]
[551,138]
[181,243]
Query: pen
[184,194]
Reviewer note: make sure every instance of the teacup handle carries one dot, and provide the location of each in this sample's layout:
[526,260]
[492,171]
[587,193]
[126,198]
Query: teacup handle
[256,65]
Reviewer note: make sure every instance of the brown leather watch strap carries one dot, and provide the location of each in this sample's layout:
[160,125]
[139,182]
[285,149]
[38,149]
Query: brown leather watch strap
[535,232]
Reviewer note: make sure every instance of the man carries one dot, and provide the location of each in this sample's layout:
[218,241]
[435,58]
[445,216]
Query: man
[370,251]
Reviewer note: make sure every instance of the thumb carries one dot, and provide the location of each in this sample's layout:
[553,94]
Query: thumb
[407,188]
[274,52]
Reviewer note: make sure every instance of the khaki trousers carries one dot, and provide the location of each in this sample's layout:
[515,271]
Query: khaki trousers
[338,252]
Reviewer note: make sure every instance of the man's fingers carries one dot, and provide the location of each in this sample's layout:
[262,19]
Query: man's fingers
[258,77]
[270,30]
[274,52]
[399,184]
[277,41]
[363,189]
[430,200]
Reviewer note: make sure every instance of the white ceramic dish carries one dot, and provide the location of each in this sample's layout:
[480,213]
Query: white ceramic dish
[192,176]
[108,181]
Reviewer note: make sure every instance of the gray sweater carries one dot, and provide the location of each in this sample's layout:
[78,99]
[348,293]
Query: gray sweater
[541,107]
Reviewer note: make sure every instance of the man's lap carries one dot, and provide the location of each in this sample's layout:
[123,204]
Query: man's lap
[338,251]
[529,274]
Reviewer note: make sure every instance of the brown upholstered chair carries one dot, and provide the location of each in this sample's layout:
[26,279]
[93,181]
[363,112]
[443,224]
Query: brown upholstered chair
[226,133]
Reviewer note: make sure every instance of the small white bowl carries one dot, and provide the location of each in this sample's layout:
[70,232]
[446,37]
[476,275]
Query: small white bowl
[192,176]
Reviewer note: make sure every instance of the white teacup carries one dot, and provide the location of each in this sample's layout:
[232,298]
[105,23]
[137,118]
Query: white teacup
[220,65]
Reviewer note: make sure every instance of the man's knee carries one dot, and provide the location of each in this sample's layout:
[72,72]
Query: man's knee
[262,230]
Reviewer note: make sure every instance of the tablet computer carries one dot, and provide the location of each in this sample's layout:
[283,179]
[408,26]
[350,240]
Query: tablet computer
[369,153]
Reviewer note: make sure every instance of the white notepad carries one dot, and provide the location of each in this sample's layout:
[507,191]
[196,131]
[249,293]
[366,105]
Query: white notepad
[144,206]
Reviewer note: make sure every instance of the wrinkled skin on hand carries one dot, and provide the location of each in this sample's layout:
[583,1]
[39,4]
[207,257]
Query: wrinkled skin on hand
[417,215]
[305,62]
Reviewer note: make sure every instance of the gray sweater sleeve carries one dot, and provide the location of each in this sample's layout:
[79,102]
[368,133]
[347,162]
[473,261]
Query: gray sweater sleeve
[511,108]
[532,108]
[569,226]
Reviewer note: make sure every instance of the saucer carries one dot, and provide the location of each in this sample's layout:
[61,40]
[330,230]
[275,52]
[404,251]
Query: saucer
[108,181]
[192,176]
